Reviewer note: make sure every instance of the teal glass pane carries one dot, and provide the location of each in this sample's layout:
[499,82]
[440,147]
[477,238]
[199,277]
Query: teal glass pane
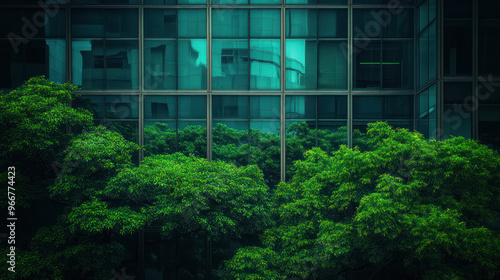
[87,23]
[265,23]
[121,107]
[377,23]
[43,57]
[300,107]
[88,64]
[313,2]
[423,54]
[301,23]
[121,23]
[230,23]
[174,2]
[229,2]
[230,107]
[265,70]
[301,64]
[193,107]
[332,23]
[230,64]
[192,23]
[397,64]
[105,2]
[265,2]
[122,64]
[264,107]
[332,65]
[160,107]
[433,50]
[423,14]
[160,23]
[192,64]
[332,107]
[160,69]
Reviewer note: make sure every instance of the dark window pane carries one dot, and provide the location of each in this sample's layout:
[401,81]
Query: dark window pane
[46,57]
[313,2]
[300,107]
[193,107]
[122,65]
[160,23]
[367,66]
[230,64]
[454,9]
[458,48]
[173,2]
[375,23]
[265,2]
[230,2]
[488,9]
[121,23]
[265,64]
[332,23]
[332,107]
[301,64]
[107,2]
[230,23]
[398,107]
[88,64]
[457,92]
[397,64]
[332,65]
[367,107]
[230,107]
[11,66]
[87,23]
[160,107]
[265,23]
[159,65]
[489,46]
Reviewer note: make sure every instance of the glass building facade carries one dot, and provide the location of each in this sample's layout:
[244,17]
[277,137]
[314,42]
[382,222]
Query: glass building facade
[280,76]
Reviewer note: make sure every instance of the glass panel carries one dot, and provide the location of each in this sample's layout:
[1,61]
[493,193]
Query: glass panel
[160,23]
[88,64]
[265,64]
[383,23]
[87,23]
[12,66]
[301,107]
[332,68]
[313,2]
[332,107]
[423,55]
[332,23]
[456,123]
[489,44]
[193,107]
[264,107]
[265,23]
[397,64]
[192,23]
[43,57]
[192,56]
[160,107]
[432,51]
[230,2]
[458,9]
[230,107]
[121,107]
[122,65]
[11,22]
[160,65]
[230,64]
[265,2]
[111,2]
[367,107]
[367,66]
[301,64]
[457,117]
[489,121]
[423,14]
[488,9]
[173,2]
[457,92]
[230,23]
[458,48]
[301,23]
[122,23]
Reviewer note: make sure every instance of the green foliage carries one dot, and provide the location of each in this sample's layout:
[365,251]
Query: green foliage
[180,195]
[252,263]
[403,202]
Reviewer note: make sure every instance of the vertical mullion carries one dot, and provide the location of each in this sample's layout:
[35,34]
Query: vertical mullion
[141,86]
[283,96]
[209,83]
[350,74]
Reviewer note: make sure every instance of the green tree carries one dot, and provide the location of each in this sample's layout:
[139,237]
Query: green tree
[405,204]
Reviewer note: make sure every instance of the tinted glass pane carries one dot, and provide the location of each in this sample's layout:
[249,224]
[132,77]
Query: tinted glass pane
[160,69]
[376,23]
[192,107]
[301,64]
[110,2]
[230,23]
[432,50]
[332,23]
[122,65]
[266,2]
[489,44]
[230,64]
[121,23]
[88,64]
[264,107]
[458,9]
[300,107]
[488,9]
[192,23]
[423,14]
[173,2]
[312,2]
[397,64]
[301,23]
[332,107]
[87,23]
[332,65]
[43,57]
[230,107]
[265,23]
[423,54]
[121,107]
[458,48]
[367,107]
[160,23]
[230,2]
[367,68]
[192,64]
[457,92]
[265,64]
[12,66]
[160,107]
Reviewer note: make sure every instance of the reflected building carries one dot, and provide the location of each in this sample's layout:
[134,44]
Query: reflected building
[278,76]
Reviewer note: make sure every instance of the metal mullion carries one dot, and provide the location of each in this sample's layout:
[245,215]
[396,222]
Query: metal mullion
[141,84]
[177,123]
[69,47]
[475,72]
[283,95]
[350,75]
[209,84]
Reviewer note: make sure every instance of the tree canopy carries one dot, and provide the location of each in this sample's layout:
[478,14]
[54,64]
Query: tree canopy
[405,204]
